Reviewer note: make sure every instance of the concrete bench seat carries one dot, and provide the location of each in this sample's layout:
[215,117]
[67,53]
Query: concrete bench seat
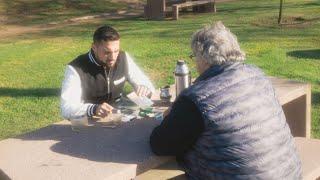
[308,149]
[169,170]
[309,152]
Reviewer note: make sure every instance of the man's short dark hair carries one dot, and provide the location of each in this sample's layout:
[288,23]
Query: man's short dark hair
[105,33]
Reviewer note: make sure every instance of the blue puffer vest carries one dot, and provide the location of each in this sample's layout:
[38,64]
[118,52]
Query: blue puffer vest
[245,131]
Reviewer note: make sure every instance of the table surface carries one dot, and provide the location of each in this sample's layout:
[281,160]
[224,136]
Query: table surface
[56,152]
[288,90]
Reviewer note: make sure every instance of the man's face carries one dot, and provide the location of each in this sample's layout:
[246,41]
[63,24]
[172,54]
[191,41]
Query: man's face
[107,51]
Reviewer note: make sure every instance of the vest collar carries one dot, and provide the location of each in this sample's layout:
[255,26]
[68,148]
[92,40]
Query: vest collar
[216,70]
[92,58]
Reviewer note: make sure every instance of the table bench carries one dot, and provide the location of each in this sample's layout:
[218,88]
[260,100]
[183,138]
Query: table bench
[56,152]
[295,98]
[308,150]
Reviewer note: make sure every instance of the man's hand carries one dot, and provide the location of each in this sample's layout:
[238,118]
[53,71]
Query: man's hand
[103,110]
[143,91]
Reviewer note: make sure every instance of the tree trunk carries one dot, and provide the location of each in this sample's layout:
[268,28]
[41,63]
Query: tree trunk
[280,12]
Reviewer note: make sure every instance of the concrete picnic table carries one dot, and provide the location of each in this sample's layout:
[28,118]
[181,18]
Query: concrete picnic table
[56,152]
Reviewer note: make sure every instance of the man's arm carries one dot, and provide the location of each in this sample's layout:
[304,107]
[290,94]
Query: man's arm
[179,130]
[137,78]
[72,106]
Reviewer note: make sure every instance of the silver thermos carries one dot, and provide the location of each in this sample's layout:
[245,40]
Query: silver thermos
[182,76]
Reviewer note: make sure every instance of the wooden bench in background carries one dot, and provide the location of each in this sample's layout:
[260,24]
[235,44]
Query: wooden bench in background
[159,9]
[209,5]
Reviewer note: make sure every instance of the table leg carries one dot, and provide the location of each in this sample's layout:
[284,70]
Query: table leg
[298,115]
[214,6]
[175,11]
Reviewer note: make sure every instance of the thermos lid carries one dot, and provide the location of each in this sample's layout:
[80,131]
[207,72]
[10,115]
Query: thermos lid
[181,68]
[180,62]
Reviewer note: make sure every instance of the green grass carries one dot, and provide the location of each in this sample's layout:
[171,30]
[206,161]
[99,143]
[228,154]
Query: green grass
[32,65]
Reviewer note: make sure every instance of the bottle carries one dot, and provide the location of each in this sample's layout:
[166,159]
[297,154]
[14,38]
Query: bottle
[165,95]
[182,77]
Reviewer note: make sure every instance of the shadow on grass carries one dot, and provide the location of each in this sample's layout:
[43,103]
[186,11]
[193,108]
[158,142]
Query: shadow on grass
[315,98]
[308,54]
[313,4]
[245,8]
[34,92]
[251,7]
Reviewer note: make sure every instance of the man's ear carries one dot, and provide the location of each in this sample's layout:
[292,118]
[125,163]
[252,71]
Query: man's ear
[94,47]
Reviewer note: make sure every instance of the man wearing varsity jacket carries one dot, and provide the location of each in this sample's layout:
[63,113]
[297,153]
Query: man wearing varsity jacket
[96,79]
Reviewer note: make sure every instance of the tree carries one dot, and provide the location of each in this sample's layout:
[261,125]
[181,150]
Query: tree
[280,12]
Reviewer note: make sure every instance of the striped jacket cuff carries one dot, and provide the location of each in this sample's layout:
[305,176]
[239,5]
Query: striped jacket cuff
[91,111]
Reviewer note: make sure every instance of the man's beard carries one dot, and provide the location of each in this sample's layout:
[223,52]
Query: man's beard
[108,63]
[103,62]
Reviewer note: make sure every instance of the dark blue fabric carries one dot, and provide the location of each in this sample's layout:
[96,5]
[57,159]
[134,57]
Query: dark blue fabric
[178,131]
[245,132]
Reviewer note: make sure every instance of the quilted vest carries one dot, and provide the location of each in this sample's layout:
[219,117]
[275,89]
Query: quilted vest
[246,135]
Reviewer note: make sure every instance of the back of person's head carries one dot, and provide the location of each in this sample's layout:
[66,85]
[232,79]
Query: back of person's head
[216,45]
[105,33]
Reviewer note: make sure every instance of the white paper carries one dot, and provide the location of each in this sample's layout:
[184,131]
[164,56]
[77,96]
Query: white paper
[140,101]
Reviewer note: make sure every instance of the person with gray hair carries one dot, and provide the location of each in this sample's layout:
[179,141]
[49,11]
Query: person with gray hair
[229,123]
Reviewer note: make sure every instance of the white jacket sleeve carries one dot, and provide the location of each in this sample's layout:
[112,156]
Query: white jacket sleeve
[136,77]
[72,106]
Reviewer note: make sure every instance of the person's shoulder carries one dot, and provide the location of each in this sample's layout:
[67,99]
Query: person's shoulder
[79,60]
[250,67]
[243,70]
[124,55]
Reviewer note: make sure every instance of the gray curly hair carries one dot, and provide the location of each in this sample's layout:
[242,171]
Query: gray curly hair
[216,45]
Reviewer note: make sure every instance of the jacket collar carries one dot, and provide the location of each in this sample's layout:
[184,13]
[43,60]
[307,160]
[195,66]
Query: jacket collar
[216,70]
[92,58]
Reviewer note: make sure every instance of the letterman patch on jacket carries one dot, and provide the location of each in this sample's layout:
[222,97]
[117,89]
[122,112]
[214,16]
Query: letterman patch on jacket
[119,81]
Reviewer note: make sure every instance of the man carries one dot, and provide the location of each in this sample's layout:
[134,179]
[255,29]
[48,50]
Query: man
[228,124]
[94,80]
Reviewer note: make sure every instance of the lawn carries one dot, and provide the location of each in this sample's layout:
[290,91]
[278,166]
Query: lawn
[32,64]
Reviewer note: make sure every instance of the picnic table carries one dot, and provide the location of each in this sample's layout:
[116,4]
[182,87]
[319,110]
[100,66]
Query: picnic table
[56,152]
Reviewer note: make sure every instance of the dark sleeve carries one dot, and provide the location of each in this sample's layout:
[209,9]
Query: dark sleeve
[179,130]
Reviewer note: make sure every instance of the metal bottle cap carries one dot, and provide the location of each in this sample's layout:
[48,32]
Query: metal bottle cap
[181,68]
[180,62]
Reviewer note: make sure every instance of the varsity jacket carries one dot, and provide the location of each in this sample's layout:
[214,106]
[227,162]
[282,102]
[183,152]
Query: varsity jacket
[86,83]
